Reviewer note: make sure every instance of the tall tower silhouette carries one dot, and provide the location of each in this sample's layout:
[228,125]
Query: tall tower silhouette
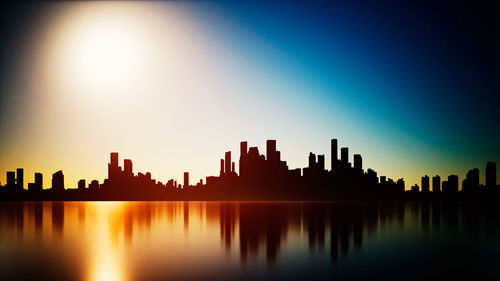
[186,179]
[243,148]
[425,183]
[127,166]
[334,153]
[39,180]
[58,181]
[114,159]
[271,150]
[312,160]
[344,156]
[453,183]
[321,162]
[113,168]
[471,181]
[227,157]
[358,162]
[11,180]
[20,179]
[436,183]
[243,156]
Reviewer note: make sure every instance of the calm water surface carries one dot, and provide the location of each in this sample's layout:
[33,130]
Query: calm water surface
[248,241]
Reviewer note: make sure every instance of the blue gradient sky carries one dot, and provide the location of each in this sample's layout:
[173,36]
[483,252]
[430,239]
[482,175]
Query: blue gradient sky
[422,80]
[414,88]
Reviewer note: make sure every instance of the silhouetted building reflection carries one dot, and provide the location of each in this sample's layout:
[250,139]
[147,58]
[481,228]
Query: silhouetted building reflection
[38,217]
[58,217]
[264,226]
[340,232]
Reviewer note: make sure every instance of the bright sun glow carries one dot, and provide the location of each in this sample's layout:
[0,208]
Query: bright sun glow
[102,48]
[103,54]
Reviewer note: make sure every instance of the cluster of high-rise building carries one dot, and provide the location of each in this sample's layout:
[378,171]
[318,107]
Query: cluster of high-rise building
[262,176]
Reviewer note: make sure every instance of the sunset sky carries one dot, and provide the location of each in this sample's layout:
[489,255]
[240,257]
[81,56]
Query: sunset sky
[173,85]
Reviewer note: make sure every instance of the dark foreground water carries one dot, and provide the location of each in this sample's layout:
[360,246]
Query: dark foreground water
[248,241]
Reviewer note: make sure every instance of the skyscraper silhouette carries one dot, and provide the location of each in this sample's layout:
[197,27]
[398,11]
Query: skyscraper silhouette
[227,160]
[271,150]
[358,163]
[436,183]
[39,180]
[243,156]
[473,177]
[186,179]
[334,153]
[20,179]
[344,156]
[425,183]
[471,181]
[58,181]
[127,167]
[37,185]
[114,159]
[452,183]
[312,160]
[321,162]
[445,186]
[401,185]
[11,180]
[113,167]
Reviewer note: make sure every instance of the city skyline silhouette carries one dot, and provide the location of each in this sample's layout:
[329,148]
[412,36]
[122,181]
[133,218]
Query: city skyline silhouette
[172,85]
[260,177]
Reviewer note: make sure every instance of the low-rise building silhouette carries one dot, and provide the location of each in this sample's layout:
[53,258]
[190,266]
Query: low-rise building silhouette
[81,184]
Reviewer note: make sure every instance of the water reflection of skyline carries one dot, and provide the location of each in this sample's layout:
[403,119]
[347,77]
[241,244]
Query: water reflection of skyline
[106,239]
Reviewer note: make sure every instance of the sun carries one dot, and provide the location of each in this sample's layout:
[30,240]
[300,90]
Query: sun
[103,54]
[101,48]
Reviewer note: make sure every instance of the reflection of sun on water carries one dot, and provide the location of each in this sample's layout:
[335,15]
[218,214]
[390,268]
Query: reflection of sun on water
[106,261]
